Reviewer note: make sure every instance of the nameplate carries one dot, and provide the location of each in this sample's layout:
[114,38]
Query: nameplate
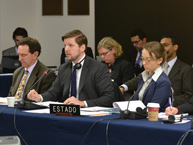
[62,108]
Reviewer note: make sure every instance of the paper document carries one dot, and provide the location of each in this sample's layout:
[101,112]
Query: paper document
[96,108]
[163,115]
[47,103]
[122,105]
[3,101]
[100,113]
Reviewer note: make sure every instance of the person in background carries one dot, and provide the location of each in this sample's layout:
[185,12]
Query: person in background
[179,73]
[110,51]
[82,80]
[32,69]
[153,80]
[138,38]
[18,35]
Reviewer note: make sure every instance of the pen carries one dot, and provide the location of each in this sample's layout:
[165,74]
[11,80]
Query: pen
[170,102]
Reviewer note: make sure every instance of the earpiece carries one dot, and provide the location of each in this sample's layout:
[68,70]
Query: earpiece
[78,65]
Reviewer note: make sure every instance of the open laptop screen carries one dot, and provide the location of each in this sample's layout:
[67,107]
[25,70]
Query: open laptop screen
[10,63]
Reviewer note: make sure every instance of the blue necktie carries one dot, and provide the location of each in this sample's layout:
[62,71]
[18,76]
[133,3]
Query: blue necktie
[73,83]
[138,60]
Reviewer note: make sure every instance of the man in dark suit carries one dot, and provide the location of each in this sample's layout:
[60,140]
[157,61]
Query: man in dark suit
[18,34]
[93,86]
[179,73]
[138,38]
[28,50]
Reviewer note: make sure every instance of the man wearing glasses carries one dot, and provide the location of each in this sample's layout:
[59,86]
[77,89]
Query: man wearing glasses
[179,73]
[138,38]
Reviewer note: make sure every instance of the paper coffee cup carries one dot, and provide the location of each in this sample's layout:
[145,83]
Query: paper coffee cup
[153,110]
[10,101]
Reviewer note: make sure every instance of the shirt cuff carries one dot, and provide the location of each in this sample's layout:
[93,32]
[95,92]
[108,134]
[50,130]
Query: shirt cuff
[125,87]
[41,98]
[86,105]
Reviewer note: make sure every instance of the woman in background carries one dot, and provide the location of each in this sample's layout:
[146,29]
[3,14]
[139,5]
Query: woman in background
[154,85]
[110,51]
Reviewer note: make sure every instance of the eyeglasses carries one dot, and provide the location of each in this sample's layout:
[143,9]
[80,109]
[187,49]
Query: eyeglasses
[104,54]
[135,42]
[147,59]
[166,44]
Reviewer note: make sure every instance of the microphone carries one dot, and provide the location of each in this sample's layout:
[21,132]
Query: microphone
[27,104]
[140,113]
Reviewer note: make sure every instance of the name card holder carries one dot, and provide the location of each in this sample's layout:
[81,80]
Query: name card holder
[65,110]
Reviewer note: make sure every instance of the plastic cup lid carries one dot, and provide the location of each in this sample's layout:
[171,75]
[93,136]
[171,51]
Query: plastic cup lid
[156,105]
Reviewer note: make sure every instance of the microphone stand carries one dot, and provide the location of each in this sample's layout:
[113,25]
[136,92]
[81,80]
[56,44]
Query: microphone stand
[28,104]
[139,114]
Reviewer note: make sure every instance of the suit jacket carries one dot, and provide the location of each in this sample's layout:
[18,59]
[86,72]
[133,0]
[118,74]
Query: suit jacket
[122,71]
[181,80]
[186,107]
[63,55]
[132,59]
[95,84]
[181,77]
[156,92]
[9,51]
[42,86]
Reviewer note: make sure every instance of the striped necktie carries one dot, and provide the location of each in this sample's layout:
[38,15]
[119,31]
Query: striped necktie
[21,85]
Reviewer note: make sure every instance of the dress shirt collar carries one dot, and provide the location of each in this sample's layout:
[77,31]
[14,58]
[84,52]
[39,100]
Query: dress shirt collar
[155,76]
[172,62]
[30,69]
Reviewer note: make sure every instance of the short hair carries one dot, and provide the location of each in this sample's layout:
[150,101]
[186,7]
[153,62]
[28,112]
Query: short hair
[138,32]
[157,49]
[20,32]
[33,44]
[109,43]
[173,39]
[80,37]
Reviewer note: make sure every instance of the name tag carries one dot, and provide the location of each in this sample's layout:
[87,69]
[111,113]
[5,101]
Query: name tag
[62,108]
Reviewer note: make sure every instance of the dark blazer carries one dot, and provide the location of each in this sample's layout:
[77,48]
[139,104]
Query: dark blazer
[132,60]
[95,85]
[156,92]
[122,71]
[181,77]
[63,55]
[181,80]
[42,86]
[186,107]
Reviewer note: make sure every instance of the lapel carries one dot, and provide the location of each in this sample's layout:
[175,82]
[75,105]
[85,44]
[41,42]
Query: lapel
[84,73]
[147,89]
[66,78]
[174,70]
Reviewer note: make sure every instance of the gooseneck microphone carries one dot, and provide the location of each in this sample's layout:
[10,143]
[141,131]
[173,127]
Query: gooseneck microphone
[28,104]
[140,113]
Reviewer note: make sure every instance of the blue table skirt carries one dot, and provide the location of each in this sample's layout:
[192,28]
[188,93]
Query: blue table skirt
[49,129]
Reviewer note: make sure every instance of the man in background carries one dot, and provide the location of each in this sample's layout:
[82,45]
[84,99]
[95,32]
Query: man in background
[10,66]
[138,38]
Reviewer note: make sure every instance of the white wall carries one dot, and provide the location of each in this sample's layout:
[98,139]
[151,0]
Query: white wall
[47,29]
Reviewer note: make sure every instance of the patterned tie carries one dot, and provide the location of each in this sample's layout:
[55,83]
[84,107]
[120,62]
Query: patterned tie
[166,68]
[73,83]
[21,85]
[138,60]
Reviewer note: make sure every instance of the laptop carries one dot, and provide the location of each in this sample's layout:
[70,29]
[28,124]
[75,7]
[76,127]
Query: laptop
[10,63]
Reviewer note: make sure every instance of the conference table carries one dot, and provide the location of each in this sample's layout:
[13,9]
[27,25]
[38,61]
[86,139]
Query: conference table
[49,129]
